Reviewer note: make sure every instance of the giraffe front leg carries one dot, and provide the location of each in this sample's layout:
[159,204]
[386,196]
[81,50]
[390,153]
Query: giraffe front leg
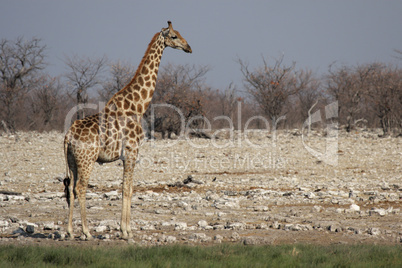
[126,207]
[123,222]
[127,195]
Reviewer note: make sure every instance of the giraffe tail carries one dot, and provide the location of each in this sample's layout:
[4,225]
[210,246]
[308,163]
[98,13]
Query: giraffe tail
[67,180]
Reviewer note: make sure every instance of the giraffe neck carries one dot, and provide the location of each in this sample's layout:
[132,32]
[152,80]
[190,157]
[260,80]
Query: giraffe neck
[136,96]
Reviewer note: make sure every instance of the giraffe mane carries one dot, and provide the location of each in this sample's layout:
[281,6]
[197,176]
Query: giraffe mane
[138,72]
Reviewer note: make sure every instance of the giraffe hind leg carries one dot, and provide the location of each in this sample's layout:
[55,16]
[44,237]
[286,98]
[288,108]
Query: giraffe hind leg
[70,193]
[66,183]
[69,189]
[81,187]
[67,194]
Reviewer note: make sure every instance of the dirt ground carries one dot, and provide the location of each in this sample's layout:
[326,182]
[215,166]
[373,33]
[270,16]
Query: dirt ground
[259,188]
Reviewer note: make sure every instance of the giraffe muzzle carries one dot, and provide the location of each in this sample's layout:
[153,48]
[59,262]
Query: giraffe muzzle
[188,49]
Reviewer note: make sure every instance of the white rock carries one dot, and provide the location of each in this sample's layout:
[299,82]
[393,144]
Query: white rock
[180,226]
[261,208]
[218,239]
[390,210]
[292,227]
[317,209]
[170,239]
[101,228]
[378,211]
[48,226]
[235,236]
[275,225]
[385,186]
[202,224]
[218,227]
[310,195]
[148,227]
[51,196]
[335,228]
[250,241]
[221,214]
[90,196]
[340,210]
[33,224]
[4,223]
[212,197]
[16,197]
[236,226]
[354,207]
[112,224]
[182,204]
[112,195]
[97,207]
[374,231]
[166,223]
[199,236]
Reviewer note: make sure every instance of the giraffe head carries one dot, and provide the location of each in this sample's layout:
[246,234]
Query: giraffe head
[173,39]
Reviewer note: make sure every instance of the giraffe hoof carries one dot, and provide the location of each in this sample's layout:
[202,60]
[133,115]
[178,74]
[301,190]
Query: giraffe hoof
[86,237]
[126,236]
[89,237]
[70,236]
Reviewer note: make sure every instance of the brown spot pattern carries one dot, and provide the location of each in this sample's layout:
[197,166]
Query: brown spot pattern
[144,93]
[100,137]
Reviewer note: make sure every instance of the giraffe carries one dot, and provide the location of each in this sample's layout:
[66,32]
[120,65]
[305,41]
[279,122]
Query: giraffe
[115,132]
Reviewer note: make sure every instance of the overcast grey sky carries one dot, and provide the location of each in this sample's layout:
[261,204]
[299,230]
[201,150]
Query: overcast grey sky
[314,34]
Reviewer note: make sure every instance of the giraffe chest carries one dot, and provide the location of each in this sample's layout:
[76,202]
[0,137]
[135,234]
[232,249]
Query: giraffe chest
[118,138]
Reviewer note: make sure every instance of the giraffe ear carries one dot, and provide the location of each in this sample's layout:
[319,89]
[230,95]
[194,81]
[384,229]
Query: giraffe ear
[165,31]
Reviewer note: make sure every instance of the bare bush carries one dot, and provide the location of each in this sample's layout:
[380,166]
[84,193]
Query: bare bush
[19,60]
[269,86]
[228,100]
[179,97]
[385,96]
[47,100]
[83,74]
[309,93]
[279,89]
[120,75]
[348,85]
[367,92]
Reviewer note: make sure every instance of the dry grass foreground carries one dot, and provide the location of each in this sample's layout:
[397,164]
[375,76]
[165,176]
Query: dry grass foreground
[260,189]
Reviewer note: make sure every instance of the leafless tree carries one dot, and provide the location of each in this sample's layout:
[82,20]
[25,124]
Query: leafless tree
[182,88]
[46,99]
[368,91]
[83,74]
[345,86]
[270,86]
[385,95]
[120,75]
[399,54]
[19,60]
[309,91]
[228,100]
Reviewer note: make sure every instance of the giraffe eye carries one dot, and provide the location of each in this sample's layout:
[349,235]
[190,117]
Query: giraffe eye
[174,37]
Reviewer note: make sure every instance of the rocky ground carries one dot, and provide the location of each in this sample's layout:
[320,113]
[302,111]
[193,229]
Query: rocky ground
[262,188]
